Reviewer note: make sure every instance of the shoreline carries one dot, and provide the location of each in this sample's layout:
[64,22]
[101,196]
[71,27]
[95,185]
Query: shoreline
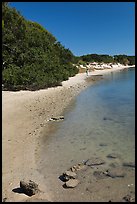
[24,114]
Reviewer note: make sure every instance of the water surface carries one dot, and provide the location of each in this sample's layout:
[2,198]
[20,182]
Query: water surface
[100,121]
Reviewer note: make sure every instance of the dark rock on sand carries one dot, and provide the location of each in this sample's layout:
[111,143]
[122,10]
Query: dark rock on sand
[72,183]
[102,144]
[29,188]
[115,172]
[94,162]
[129,164]
[69,175]
[57,118]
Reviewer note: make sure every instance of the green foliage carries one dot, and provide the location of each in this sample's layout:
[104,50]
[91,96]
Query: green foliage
[97,58]
[32,57]
[123,59]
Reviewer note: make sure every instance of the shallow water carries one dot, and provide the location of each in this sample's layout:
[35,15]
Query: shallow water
[100,121]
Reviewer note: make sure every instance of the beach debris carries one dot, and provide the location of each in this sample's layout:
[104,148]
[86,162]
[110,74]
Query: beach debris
[100,174]
[71,183]
[94,161]
[29,188]
[115,172]
[69,175]
[129,164]
[113,155]
[56,118]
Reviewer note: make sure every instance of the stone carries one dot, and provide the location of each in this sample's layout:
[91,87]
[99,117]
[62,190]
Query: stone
[77,167]
[129,164]
[113,155]
[94,162]
[29,188]
[102,144]
[115,172]
[72,183]
[69,175]
[107,118]
[4,199]
[57,118]
[127,198]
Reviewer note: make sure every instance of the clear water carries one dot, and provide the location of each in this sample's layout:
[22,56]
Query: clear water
[100,121]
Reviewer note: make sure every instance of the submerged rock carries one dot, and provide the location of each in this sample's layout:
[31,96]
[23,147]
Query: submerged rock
[113,155]
[77,167]
[102,144]
[115,172]
[94,162]
[72,183]
[129,164]
[100,174]
[29,188]
[107,118]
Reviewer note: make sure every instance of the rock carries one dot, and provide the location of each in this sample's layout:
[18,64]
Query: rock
[56,118]
[107,118]
[127,198]
[129,164]
[69,175]
[115,172]
[77,167]
[100,174]
[4,199]
[102,144]
[114,164]
[113,155]
[72,183]
[29,188]
[94,162]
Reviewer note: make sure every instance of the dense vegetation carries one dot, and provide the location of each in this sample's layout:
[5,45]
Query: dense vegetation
[32,57]
[123,59]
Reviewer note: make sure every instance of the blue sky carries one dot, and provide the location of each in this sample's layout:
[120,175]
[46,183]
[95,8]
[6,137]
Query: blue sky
[86,27]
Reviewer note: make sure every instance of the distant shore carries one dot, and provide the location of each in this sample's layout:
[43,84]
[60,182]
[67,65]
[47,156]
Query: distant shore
[24,113]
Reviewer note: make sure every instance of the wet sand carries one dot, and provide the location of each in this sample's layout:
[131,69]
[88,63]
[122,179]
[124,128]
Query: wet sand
[24,114]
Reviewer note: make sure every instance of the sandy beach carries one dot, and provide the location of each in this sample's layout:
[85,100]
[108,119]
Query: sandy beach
[24,114]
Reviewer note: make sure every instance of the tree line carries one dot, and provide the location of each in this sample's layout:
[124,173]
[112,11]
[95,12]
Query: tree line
[122,59]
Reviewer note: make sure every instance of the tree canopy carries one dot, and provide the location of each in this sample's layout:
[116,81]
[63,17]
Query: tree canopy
[123,59]
[32,56]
